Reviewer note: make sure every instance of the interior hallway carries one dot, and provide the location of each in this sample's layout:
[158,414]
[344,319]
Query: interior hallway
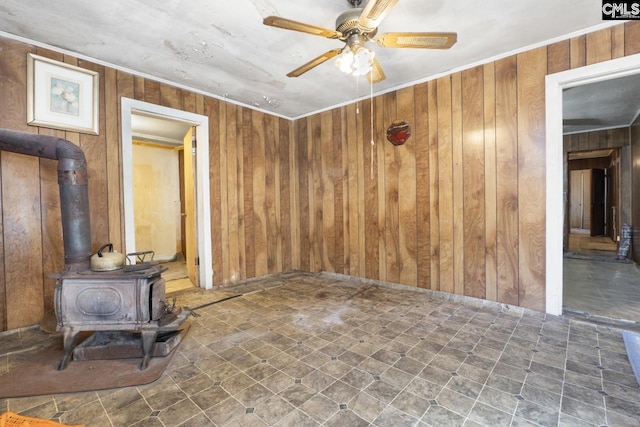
[304,349]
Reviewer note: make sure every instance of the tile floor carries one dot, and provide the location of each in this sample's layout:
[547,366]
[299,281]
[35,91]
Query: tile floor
[323,350]
[596,286]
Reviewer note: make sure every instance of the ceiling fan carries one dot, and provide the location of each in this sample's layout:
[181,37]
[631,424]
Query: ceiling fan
[355,27]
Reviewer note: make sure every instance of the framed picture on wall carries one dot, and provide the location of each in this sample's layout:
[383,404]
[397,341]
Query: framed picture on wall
[61,96]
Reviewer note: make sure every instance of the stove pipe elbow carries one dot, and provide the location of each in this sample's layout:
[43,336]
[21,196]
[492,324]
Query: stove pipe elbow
[72,181]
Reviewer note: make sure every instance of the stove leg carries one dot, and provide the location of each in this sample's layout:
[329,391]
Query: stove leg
[148,340]
[69,339]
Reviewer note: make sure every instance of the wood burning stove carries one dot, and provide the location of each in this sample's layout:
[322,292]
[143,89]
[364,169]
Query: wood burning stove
[130,298]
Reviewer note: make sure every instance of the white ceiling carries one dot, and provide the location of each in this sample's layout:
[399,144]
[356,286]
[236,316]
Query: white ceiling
[222,49]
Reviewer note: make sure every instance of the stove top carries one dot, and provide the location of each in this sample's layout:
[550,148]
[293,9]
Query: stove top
[142,271]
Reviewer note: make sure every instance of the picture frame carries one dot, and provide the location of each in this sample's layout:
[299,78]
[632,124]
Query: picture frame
[61,96]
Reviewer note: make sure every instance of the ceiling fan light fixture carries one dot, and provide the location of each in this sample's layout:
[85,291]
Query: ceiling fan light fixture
[362,61]
[357,62]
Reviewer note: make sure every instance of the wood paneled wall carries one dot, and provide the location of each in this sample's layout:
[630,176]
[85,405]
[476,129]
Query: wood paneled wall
[252,186]
[460,207]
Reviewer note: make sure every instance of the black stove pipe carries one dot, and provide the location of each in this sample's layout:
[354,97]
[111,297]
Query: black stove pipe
[72,181]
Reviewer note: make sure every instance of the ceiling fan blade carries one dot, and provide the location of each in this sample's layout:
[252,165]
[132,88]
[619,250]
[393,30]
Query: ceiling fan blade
[375,12]
[418,40]
[288,24]
[376,74]
[314,62]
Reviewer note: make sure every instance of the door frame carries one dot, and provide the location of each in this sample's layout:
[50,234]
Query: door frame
[203,205]
[555,202]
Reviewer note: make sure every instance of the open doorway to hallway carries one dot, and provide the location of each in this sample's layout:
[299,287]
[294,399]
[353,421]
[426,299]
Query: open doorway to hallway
[597,283]
[556,159]
[594,201]
[164,197]
[200,258]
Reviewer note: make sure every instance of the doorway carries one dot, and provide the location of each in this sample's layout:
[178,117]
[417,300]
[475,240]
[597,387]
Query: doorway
[556,198]
[196,160]
[163,197]
[594,202]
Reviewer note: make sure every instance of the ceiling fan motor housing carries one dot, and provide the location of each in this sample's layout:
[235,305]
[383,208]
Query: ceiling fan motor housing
[349,21]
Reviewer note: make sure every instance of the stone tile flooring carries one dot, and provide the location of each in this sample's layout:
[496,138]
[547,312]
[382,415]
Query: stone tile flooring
[322,350]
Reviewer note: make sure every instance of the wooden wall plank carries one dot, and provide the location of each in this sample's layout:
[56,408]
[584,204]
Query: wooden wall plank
[234,137]
[598,46]
[22,284]
[391,160]
[375,179]
[22,228]
[445,179]
[490,190]
[114,153]
[371,207]
[247,165]
[294,190]
[532,68]
[286,194]
[338,188]
[152,91]
[631,38]
[458,183]
[303,194]
[13,70]
[434,186]
[125,88]
[507,180]
[271,193]
[259,189]
[138,88]
[328,197]
[473,158]
[170,96]
[239,192]
[421,138]
[314,154]
[362,176]
[578,47]
[352,197]
[407,232]
[346,190]
[188,101]
[227,132]
[617,41]
[213,109]
[559,57]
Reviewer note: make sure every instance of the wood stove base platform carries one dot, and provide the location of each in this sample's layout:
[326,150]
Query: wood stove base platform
[106,345]
[146,336]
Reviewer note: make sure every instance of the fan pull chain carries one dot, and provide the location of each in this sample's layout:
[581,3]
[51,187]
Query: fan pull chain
[371,112]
